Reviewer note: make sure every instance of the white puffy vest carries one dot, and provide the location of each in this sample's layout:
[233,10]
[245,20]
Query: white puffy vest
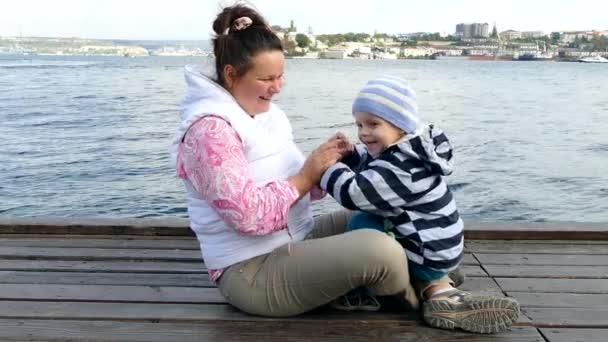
[272,155]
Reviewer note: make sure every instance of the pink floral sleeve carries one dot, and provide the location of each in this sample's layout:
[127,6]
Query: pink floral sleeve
[212,159]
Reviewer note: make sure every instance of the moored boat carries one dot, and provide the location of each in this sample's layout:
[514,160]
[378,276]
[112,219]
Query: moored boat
[593,59]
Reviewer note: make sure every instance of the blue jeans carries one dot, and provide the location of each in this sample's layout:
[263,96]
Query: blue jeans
[361,220]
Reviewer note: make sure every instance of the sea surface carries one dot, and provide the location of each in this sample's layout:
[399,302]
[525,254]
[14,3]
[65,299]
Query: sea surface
[89,136]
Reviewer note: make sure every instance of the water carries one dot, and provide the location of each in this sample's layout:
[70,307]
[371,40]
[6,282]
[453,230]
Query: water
[88,136]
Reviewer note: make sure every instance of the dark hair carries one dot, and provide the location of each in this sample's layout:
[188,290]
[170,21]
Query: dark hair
[238,47]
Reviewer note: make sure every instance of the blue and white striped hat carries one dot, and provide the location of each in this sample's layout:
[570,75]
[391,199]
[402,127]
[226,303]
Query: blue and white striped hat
[391,99]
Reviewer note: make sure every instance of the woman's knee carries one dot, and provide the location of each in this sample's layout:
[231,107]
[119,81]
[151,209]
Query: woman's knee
[377,247]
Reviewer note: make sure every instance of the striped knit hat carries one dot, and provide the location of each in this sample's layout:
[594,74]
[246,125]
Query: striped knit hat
[391,99]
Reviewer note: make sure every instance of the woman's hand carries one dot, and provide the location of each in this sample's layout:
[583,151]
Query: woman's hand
[321,158]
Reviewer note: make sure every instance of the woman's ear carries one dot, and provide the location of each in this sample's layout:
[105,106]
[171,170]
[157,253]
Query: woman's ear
[229,75]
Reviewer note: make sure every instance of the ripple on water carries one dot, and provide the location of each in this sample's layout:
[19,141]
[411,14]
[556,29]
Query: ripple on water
[89,140]
[455,187]
[600,148]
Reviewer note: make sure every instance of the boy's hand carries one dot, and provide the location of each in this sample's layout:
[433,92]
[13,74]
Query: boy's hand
[344,145]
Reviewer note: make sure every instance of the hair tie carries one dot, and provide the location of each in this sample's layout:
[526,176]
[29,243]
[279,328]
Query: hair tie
[239,24]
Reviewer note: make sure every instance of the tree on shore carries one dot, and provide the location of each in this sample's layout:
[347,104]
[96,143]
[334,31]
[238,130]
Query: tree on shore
[494,32]
[380,35]
[302,40]
[599,43]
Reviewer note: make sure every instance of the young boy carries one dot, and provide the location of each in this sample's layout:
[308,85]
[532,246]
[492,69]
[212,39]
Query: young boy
[394,179]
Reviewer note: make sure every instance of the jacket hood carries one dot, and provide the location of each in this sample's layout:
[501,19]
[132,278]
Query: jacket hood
[204,96]
[432,146]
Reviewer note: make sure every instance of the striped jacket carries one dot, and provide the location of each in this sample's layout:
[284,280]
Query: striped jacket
[405,185]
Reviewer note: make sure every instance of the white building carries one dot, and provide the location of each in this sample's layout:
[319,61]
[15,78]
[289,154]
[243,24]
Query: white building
[532,34]
[337,52]
[571,36]
[510,35]
[417,52]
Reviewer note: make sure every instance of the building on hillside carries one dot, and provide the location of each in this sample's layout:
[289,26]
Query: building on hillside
[567,37]
[410,35]
[335,52]
[280,34]
[290,36]
[320,45]
[416,51]
[473,30]
[532,34]
[510,35]
[312,38]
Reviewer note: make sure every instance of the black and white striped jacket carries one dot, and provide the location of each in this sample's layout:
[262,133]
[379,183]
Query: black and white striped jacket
[405,185]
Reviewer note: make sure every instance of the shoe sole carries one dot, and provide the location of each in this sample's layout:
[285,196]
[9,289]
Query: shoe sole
[478,314]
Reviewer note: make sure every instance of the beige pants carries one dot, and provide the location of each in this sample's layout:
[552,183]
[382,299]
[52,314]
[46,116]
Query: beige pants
[303,275]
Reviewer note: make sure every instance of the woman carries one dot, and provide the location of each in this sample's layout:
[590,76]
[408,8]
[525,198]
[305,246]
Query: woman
[248,188]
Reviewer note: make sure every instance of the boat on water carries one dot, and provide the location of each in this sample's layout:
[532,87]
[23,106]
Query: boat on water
[541,53]
[450,58]
[491,57]
[442,55]
[536,56]
[593,59]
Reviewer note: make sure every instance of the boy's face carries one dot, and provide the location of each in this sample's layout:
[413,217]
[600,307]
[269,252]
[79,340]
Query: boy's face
[376,133]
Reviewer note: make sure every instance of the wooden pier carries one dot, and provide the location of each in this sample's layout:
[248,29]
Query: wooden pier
[144,280]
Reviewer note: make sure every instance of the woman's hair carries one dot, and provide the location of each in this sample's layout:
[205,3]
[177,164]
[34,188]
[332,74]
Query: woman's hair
[241,33]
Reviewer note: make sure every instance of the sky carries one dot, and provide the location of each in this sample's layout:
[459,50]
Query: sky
[192,19]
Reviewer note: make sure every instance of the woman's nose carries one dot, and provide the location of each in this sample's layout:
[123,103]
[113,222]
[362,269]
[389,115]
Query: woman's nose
[276,86]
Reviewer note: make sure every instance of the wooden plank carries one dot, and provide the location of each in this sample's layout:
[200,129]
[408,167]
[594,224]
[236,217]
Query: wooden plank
[156,294]
[103,266]
[591,286]
[564,300]
[575,335]
[188,243]
[474,271]
[138,312]
[482,286]
[110,293]
[544,271]
[276,330]
[169,312]
[95,226]
[521,247]
[71,253]
[180,312]
[541,259]
[536,231]
[124,266]
[568,317]
[179,227]
[542,242]
[102,278]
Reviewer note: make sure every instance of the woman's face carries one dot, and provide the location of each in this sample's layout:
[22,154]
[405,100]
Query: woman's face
[254,90]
